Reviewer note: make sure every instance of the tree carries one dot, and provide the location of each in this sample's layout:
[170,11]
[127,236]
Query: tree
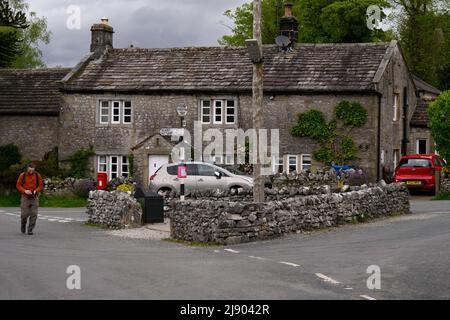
[10,23]
[424,32]
[334,137]
[320,21]
[9,155]
[439,113]
[26,53]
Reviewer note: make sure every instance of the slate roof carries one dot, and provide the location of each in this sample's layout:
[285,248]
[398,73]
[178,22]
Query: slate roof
[310,67]
[420,117]
[425,87]
[30,91]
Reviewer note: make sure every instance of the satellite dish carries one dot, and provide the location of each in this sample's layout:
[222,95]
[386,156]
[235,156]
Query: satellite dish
[283,41]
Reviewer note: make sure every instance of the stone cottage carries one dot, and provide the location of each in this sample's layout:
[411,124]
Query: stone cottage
[421,141]
[117,100]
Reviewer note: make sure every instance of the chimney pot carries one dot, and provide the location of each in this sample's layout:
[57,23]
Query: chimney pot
[105,20]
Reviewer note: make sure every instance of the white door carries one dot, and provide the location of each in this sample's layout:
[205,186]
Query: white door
[155,162]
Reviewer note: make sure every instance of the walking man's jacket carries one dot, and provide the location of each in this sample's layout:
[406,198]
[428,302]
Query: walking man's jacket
[32,182]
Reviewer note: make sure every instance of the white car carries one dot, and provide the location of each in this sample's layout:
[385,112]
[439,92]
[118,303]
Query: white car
[201,176]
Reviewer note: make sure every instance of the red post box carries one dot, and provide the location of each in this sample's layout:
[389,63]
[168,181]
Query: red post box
[102,180]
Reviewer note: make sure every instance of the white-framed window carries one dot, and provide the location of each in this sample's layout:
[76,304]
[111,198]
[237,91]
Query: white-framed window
[422,146]
[104,112]
[115,112]
[292,163]
[206,111]
[218,159]
[229,159]
[396,107]
[277,164]
[218,106]
[127,112]
[102,164]
[218,111]
[396,157]
[125,172]
[306,162]
[230,112]
[114,165]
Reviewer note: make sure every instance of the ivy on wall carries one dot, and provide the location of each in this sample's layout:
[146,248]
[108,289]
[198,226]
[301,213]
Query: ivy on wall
[79,162]
[334,137]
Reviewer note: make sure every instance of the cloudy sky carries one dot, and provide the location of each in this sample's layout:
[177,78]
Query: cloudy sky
[143,23]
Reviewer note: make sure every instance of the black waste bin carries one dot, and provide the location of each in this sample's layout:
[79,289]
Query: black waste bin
[153,209]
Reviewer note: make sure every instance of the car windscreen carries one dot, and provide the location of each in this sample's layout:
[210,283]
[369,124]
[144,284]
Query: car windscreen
[423,163]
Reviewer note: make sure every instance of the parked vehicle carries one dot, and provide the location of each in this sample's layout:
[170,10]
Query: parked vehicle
[200,176]
[419,171]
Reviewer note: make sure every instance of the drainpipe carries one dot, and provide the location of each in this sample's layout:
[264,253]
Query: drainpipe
[405,139]
[379,139]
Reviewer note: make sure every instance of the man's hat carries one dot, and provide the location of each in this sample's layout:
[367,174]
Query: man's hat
[31,165]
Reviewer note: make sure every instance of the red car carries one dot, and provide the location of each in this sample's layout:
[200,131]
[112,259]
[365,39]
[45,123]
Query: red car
[418,171]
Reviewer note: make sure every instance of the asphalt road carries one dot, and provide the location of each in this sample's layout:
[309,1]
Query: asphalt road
[412,252]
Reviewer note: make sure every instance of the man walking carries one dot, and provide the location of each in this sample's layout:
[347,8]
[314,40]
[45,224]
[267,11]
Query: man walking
[29,185]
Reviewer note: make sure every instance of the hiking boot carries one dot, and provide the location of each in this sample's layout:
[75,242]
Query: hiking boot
[30,233]
[23,229]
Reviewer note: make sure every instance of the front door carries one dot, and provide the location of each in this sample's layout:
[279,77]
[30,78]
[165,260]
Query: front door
[155,162]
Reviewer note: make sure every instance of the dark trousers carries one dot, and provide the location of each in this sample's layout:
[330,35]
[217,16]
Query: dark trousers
[29,210]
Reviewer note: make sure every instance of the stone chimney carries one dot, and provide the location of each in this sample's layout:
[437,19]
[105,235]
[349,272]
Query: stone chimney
[289,24]
[102,37]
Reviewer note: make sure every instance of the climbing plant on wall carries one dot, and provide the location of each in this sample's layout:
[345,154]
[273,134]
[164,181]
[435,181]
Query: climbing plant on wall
[334,136]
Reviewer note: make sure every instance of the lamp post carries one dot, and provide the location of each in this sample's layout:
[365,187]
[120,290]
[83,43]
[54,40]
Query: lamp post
[182,170]
[254,47]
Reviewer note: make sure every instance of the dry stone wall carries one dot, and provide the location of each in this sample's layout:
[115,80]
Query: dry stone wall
[230,222]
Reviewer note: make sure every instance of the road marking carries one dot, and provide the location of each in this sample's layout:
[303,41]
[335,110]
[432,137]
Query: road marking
[367,297]
[348,288]
[327,279]
[258,258]
[231,250]
[216,251]
[290,264]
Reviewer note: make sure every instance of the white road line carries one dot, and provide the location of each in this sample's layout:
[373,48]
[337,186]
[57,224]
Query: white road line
[367,297]
[231,250]
[257,258]
[290,264]
[348,288]
[327,279]
[52,220]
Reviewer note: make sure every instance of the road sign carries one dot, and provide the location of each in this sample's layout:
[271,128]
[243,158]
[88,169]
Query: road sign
[172,132]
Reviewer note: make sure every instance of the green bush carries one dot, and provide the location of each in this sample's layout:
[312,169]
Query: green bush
[439,112]
[9,155]
[8,178]
[49,166]
[79,162]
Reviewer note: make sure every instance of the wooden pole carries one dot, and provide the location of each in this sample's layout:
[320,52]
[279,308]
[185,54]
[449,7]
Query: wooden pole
[257,102]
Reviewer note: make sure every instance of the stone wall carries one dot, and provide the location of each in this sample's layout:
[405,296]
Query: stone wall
[34,135]
[53,187]
[445,185]
[115,209]
[230,222]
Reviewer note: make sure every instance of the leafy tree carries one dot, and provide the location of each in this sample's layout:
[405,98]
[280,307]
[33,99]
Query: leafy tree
[26,52]
[424,32]
[79,162]
[439,113]
[320,21]
[336,144]
[10,23]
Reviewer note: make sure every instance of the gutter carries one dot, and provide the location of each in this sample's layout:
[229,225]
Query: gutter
[379,139]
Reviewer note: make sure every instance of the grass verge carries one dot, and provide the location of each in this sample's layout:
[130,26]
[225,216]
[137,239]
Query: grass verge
[46,202]
[442,196]
[193,243]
